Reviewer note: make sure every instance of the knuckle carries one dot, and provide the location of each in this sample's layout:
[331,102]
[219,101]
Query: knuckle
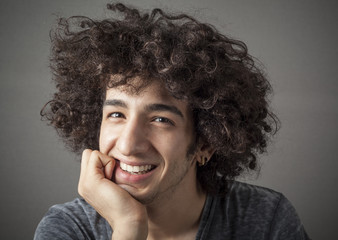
[95,152]
[86,151]
[86,154]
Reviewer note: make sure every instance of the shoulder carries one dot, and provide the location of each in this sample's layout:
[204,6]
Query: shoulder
[251,196]
[72,220]
[250,205]
[77,209]
[262,213]
[250,190]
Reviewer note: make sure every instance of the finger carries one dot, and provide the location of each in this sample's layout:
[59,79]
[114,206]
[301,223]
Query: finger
[84,163]
[85,158]
[99,161]
[109,169]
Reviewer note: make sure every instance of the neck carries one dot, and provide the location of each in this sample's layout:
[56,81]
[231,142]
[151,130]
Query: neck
[178,214]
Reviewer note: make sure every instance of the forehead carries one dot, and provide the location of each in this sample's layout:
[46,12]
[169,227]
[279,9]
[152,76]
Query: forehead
[153,92]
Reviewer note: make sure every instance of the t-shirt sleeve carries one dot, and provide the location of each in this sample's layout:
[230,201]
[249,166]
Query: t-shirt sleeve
[286,224]
[56,224]
[73,220]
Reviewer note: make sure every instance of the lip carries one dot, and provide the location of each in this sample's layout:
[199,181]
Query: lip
[135,162]
[123,177]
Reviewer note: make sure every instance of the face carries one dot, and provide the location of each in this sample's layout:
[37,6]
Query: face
[150,135]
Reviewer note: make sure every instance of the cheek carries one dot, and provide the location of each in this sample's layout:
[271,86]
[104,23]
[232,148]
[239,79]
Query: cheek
[101,140]
[106,139]
[173,147]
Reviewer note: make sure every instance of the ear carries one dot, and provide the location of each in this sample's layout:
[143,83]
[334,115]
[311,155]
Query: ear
[204,153]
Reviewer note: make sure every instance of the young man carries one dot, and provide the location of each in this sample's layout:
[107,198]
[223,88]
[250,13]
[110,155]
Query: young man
[169,112]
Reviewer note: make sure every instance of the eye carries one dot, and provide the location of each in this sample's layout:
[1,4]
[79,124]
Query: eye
[116,115]
[163,120]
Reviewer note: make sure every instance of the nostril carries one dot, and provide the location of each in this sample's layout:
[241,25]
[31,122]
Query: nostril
[132,144]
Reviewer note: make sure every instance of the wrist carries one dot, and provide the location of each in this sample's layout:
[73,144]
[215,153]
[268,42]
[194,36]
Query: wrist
[130,227]
[130,231]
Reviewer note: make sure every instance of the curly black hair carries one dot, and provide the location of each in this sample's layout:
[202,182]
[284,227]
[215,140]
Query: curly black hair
[225,89]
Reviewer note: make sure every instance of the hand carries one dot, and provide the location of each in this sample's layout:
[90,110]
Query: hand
[127,217]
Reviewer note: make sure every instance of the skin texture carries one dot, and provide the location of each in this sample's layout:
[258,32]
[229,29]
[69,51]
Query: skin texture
[136,129]
[137,135]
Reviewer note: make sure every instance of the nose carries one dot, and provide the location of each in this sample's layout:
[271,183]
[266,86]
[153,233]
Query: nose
[132,139]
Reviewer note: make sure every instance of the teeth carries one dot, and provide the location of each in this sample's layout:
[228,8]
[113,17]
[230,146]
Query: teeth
[135,169]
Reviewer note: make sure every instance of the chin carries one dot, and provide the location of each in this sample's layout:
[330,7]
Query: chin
[145,199]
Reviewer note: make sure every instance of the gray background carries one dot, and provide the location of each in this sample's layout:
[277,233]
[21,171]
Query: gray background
[294,40]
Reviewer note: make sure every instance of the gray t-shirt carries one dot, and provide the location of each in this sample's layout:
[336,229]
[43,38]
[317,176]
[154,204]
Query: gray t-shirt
[246,212]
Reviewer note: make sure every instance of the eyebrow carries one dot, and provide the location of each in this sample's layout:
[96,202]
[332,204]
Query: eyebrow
[156,107]
[115,102]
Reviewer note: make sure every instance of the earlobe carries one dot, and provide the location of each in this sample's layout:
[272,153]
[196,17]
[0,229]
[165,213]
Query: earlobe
[203,161]
[204,154]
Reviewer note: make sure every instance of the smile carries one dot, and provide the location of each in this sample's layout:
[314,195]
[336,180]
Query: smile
[136,169]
